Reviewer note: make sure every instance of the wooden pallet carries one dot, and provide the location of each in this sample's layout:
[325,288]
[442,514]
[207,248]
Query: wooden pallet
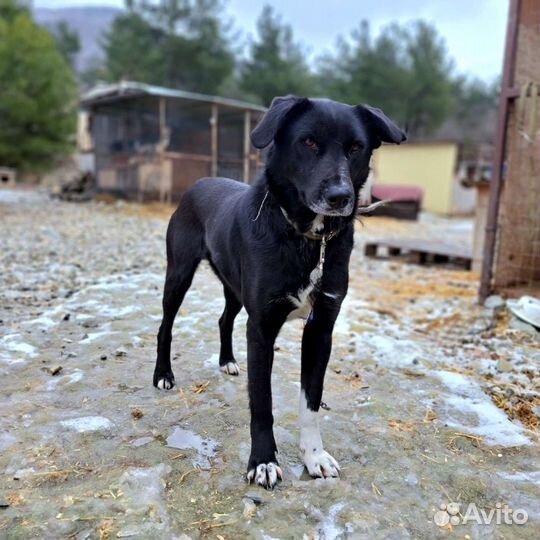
[422,252]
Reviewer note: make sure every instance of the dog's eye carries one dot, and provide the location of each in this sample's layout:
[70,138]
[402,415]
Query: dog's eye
[310,143]
[355,147]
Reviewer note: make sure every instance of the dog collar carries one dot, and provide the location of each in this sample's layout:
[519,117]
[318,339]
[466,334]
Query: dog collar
[316,274]
[310,235]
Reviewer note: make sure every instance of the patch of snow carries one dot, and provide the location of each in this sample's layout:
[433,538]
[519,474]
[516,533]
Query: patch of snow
[471,410]
[94,336]
[342,325]
[83,317]
[25,348]
[6,440]
[144,493]
[111,286]
[12,343]
[88,424]
[117,312]
[329,527]
[185,439]
[22,473]
[390,351]
[15,196]
[533,477]
[43,321]
[212,361]
[74,377]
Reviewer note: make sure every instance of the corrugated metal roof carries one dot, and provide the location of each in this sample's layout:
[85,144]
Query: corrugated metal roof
[126,88]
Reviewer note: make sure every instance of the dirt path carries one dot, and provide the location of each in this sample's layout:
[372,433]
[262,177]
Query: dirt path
[431,398]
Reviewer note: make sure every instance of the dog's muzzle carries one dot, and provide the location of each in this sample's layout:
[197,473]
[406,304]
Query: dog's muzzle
[336,200]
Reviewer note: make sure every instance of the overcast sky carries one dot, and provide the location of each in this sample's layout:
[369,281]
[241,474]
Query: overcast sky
[474,30]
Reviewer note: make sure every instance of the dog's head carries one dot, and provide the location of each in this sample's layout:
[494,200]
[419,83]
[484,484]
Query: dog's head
[323,148]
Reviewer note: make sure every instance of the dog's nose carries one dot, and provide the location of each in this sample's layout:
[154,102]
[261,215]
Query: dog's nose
[338,197]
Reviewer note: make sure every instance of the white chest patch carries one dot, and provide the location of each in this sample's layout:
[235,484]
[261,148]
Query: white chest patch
[318,223]
[301,302]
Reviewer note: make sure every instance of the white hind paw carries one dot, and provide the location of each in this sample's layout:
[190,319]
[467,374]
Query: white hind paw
[165,383]
[231,368]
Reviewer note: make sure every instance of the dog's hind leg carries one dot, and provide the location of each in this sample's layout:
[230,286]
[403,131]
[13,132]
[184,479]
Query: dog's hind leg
[227,362]
[185,249]
[176,285]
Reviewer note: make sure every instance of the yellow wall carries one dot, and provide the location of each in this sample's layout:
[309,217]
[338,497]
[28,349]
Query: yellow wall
[429,166]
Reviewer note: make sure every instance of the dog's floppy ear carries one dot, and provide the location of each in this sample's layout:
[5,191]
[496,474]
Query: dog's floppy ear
[274,118]
[384,129]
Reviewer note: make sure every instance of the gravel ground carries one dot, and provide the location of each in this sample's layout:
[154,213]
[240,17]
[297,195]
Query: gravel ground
[432,400]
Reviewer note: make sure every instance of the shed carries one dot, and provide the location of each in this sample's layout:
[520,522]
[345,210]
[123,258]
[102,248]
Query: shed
[151,142]
[434,166]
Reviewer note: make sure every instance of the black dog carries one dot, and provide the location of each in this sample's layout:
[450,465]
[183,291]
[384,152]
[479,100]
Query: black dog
[281,248]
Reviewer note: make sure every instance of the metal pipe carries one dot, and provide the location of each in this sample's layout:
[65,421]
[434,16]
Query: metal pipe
[214,119]
[247,146]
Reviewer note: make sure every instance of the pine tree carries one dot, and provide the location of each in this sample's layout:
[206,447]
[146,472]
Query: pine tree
[276,65]
[38,94]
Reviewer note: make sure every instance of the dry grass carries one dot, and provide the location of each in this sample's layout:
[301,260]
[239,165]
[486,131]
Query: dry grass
[518,408]
[146,210]
[399,425]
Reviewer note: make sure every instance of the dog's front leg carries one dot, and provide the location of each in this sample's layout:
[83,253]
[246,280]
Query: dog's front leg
[263,468]
[316,348]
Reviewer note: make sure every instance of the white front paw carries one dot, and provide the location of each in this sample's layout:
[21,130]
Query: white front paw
[320,464]
[266,475]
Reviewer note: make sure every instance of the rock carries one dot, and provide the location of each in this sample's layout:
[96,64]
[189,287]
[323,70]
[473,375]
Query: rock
[529,329]
[127,533]
[120,352]
[255,497]
[481,325]
[90,323]
[84,534]
[21,473]
[250,508]
[103,357]
[411,479]
[504,365]
[141,441]
[494,302]
[4,504]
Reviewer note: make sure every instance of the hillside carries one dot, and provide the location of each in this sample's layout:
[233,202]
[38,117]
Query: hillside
[89,22]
